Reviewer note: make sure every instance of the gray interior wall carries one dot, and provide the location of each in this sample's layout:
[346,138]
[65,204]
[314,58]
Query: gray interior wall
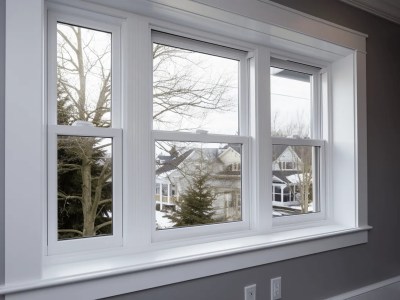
[2,102]
[331,273]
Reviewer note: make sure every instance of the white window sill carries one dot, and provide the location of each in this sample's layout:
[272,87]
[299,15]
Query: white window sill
[167,266]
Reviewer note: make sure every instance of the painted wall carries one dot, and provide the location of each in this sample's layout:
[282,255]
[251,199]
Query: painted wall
[331,273]
[2,102]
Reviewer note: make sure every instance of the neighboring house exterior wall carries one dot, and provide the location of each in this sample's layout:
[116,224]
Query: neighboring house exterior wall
[288,160]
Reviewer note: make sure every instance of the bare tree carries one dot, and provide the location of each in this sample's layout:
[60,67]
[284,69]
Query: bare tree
[184,91]
[84,95]
[303,179]
[302,157]
[297,127]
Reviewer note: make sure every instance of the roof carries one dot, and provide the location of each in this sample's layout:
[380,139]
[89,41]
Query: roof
[282,175]
[172,164]
[277,150]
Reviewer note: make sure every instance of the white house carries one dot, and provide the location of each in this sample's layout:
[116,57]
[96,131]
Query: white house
[224,166]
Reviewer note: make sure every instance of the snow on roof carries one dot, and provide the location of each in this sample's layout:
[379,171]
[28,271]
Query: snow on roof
[295,178]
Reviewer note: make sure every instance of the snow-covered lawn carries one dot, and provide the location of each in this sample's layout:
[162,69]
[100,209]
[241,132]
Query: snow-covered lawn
[163,222]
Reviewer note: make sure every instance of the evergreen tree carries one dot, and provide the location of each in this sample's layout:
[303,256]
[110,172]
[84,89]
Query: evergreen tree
[194,206]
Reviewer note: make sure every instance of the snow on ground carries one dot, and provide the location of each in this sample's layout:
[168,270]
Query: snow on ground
[162,221]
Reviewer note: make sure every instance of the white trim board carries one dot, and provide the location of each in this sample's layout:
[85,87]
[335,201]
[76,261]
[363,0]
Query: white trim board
[267,18]
[367,289]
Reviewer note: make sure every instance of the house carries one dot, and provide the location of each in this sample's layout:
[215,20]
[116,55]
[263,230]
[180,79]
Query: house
[292,173]
[175,172]
[224,166]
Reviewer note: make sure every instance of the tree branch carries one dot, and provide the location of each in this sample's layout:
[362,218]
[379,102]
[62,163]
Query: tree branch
[70,231]
[102,225]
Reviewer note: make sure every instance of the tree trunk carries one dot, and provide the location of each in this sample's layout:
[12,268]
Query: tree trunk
[88,218]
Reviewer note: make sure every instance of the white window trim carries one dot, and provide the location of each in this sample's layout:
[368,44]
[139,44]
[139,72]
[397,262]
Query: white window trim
[64,273]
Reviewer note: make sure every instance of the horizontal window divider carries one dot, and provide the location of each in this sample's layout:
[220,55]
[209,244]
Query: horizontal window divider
[198,137]
[85,131]
[297,142]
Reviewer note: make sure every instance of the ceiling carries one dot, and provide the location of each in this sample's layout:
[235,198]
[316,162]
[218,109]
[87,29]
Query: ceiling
[388,9]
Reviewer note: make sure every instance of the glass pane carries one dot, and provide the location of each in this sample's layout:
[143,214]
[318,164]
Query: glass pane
[194,91]
[290,103]
[85,189]
[295,180]
[83,76]
[197,183]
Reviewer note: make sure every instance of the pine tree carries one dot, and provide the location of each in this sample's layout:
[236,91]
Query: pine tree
[194,206]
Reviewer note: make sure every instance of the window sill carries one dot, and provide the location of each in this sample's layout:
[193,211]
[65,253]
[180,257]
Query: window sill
[166,266]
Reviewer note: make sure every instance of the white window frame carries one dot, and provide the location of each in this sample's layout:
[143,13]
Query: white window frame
[211,48]
[114,132]
[32,272]
[317,122]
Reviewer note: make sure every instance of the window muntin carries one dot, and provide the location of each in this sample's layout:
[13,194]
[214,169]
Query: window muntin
[194,91]
[196,184]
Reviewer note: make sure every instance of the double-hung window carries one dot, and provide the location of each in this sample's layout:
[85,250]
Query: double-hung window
[84,135]
[298,147]
[200,137]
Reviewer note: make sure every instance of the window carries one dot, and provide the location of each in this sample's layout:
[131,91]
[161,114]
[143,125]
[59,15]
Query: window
[293,122]
[84,134]
[203,131]
[199,131]
[296,124]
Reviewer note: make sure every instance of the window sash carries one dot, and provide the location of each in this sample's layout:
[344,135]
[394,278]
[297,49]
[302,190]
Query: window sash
[319,190]
[214,48]
[53,19]
[316,122]
[56,246]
